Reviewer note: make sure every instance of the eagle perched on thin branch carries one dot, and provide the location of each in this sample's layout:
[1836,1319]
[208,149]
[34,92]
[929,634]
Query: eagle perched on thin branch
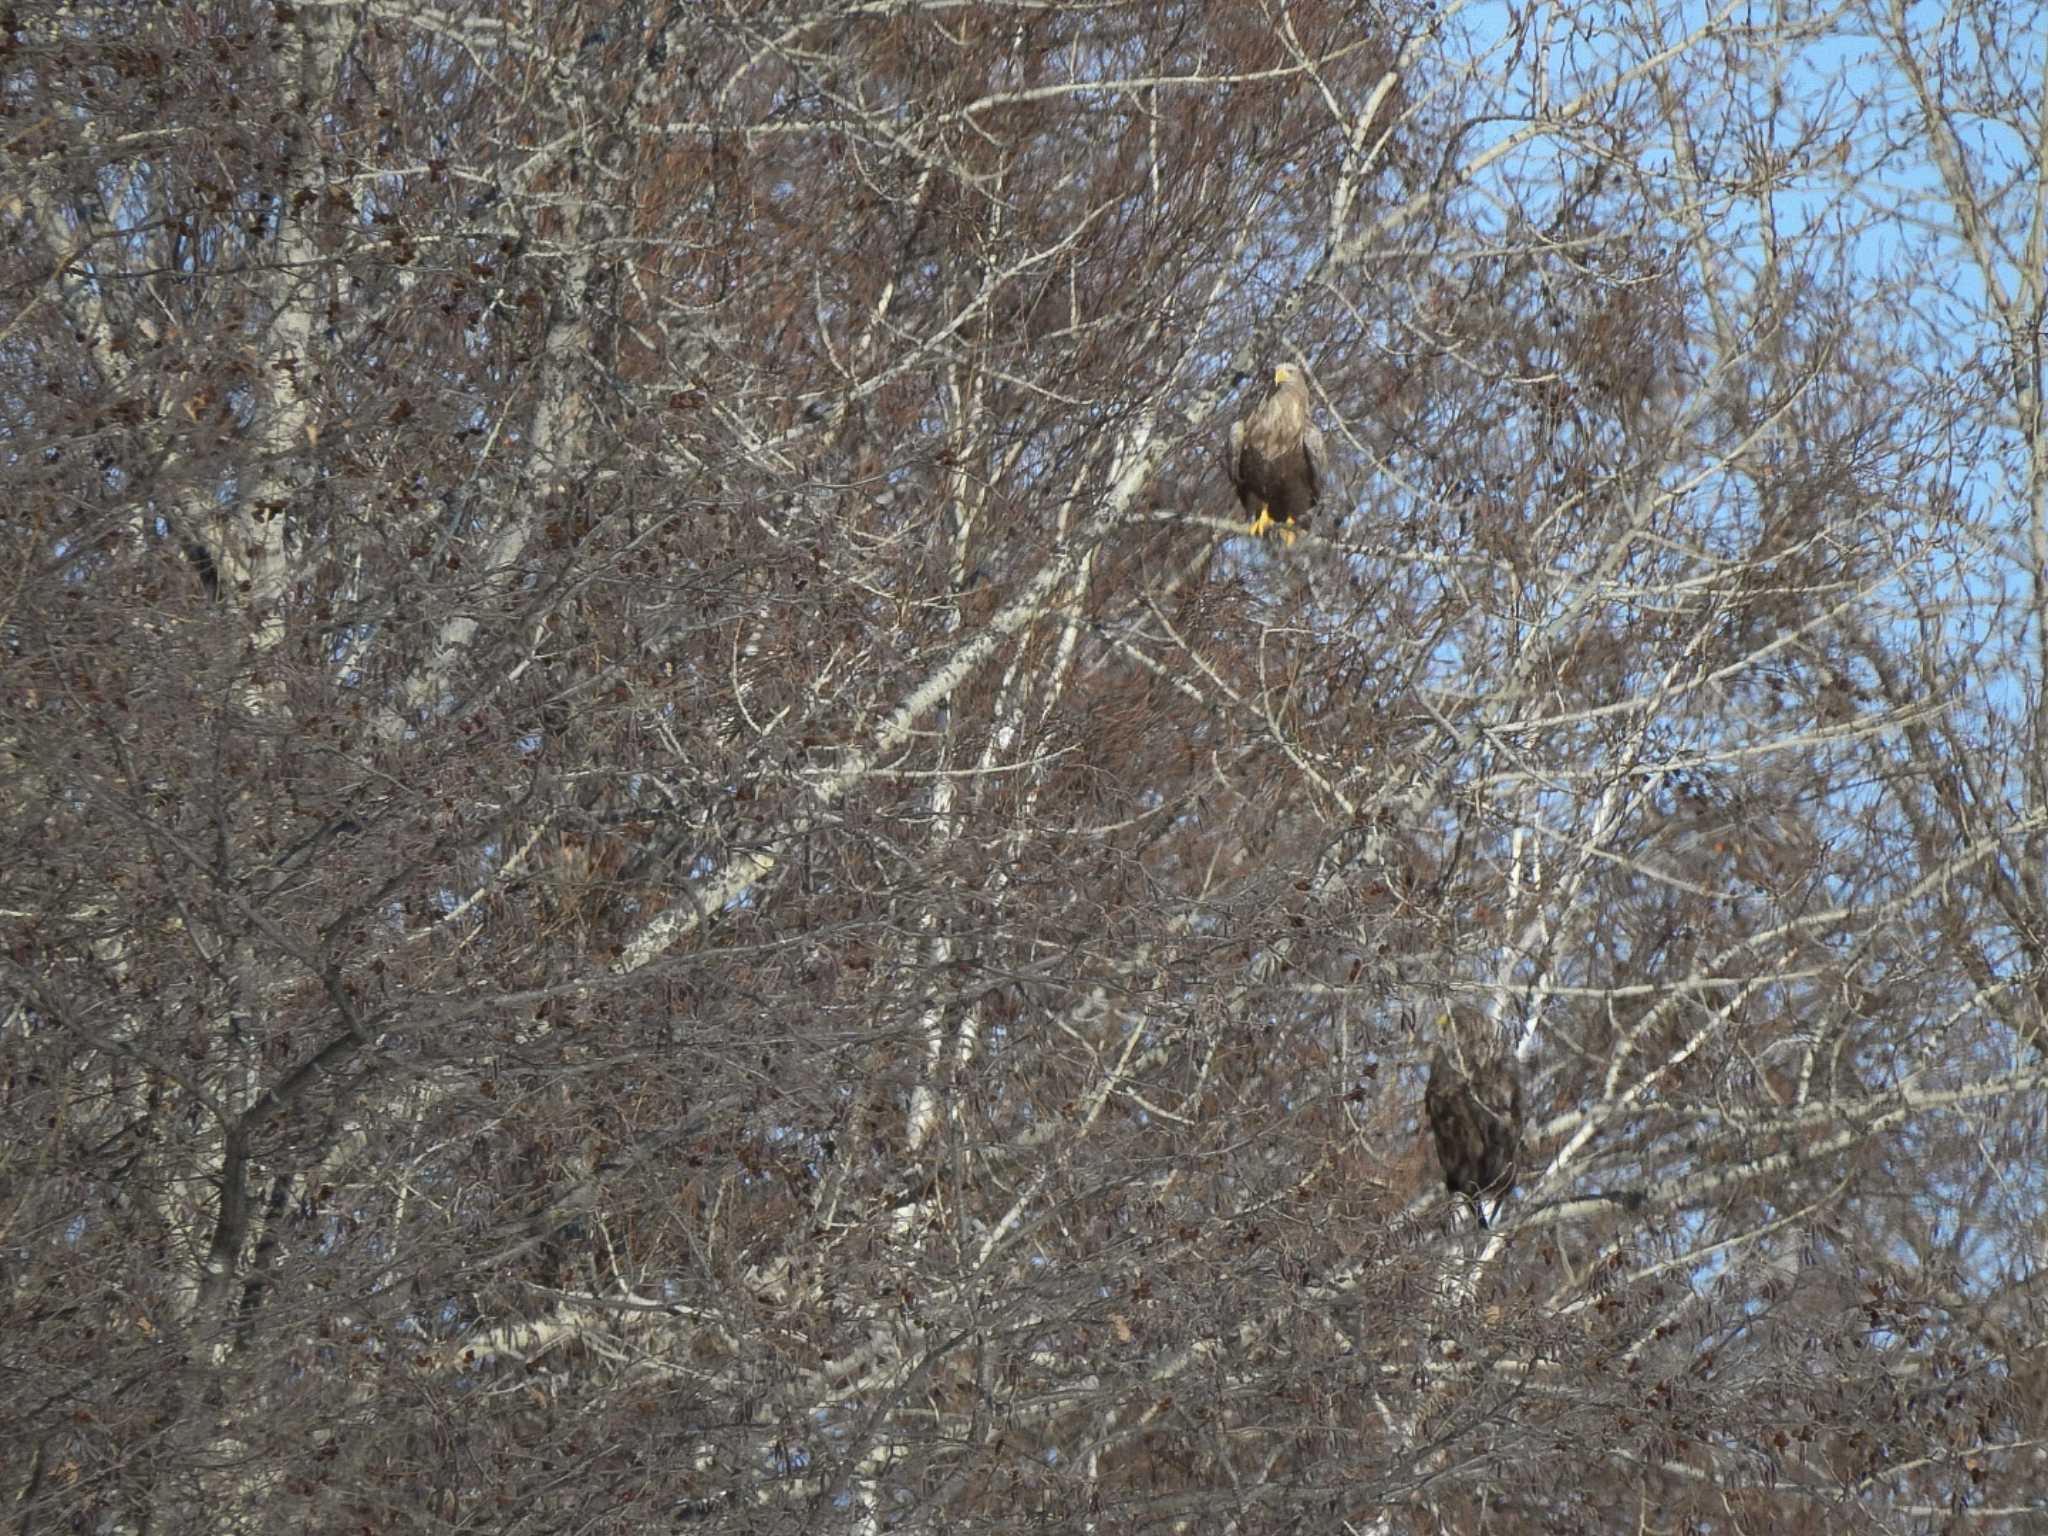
[1474,1101]
[1276,455]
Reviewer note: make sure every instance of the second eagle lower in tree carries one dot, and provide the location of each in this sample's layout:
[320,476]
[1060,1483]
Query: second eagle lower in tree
[1474,1102]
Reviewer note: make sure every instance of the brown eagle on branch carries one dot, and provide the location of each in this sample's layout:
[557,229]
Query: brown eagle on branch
[1276,455]
[1474,1101]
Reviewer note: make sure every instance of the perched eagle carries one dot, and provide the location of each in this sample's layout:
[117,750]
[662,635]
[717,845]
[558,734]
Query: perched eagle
[1475,1117]
[1276,453]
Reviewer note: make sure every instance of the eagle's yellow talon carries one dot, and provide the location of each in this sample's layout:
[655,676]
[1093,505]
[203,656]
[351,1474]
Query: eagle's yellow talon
[1262,522]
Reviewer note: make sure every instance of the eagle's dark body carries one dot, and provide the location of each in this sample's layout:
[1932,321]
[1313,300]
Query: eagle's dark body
[1475,1117]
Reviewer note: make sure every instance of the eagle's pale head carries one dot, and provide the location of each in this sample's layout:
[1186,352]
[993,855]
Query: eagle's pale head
[1287,373]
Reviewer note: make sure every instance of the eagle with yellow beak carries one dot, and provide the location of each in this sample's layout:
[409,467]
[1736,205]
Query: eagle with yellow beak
[1276,454]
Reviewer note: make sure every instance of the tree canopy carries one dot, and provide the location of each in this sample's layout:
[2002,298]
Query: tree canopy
[667,859]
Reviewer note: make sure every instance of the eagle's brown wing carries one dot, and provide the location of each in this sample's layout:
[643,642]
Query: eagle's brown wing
[1247,493]
[1313,461]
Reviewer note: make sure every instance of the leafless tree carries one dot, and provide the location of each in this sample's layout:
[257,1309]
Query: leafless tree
[667,860]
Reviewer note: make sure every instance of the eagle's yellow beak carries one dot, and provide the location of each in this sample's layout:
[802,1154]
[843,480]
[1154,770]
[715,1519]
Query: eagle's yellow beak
[1280,374]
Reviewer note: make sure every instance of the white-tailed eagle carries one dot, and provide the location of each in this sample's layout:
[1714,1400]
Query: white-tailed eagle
[1474,1103]
[1276,457]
